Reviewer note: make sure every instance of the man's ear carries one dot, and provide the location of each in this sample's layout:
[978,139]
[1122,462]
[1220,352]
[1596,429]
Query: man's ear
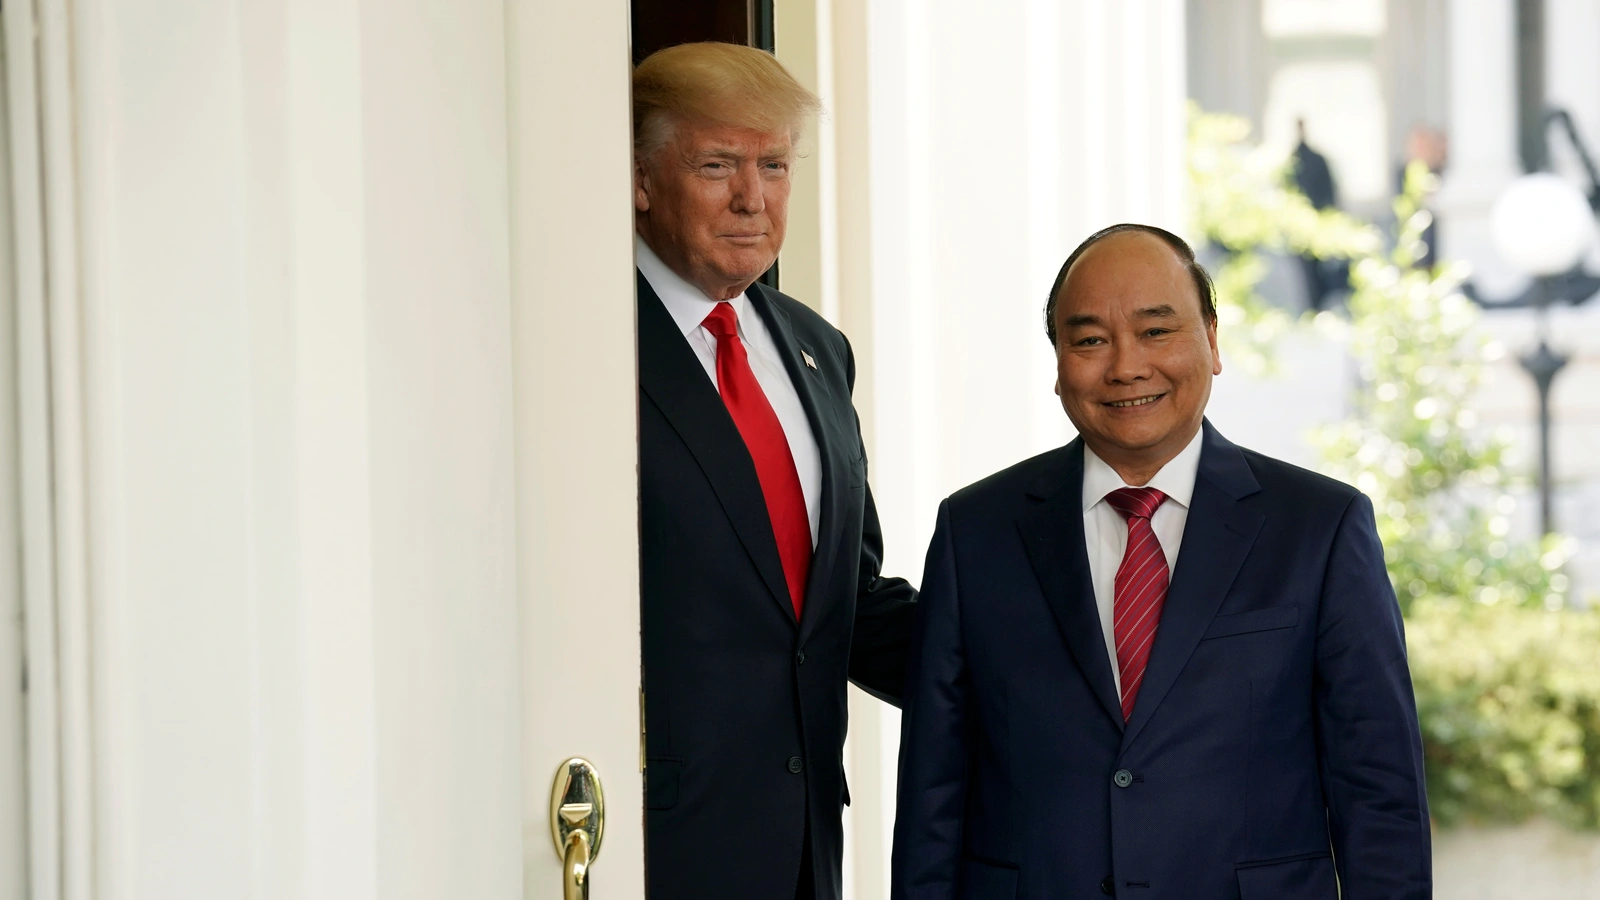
[1216,357]
[641,186]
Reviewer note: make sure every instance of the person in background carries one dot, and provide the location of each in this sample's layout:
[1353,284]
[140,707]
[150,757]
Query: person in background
[1151,663]
[1430,147]
[1314,179]
[759,543]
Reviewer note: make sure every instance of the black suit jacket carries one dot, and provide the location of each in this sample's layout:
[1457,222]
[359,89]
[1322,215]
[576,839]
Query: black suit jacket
[745,707]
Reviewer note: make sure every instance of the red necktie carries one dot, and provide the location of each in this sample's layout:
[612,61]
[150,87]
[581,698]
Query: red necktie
[769,449]
[1141,588]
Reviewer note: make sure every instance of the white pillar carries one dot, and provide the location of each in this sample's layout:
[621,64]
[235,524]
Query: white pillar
[1227,57]
[1483,137]
[1572,76]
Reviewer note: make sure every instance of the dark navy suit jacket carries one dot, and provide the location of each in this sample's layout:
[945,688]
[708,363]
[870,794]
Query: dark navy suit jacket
[1274,738]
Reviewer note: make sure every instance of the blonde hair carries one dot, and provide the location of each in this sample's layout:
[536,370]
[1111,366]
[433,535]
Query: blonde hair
[726,84]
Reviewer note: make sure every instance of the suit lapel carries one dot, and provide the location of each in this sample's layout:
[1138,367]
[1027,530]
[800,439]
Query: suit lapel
[1053,534]
[813,394]
[675,381]
[1216,539]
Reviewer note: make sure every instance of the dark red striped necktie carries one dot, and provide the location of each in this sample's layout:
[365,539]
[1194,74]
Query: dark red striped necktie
[769,450]
[1141,589]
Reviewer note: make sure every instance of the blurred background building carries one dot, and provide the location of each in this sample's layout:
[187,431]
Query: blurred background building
[322,565]
[1372,79]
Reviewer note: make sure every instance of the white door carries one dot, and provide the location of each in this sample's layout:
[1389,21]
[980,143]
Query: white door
[326,387]
[577,482]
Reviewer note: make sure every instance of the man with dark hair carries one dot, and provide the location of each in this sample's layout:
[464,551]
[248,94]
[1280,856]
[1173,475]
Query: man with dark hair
[1090,713]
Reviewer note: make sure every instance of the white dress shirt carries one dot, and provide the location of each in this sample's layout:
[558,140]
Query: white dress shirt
[1105,531]
[689,308]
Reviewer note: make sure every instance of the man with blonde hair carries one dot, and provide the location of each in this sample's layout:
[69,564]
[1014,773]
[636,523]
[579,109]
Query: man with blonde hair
[760,548]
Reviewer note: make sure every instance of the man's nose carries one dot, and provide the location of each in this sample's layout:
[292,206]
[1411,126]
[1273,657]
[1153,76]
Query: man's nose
[1128,362]
[748,197]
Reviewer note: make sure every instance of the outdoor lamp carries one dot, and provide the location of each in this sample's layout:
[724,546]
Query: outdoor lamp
[1542,224]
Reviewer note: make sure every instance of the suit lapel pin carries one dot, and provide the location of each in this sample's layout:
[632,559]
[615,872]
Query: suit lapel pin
[807,357]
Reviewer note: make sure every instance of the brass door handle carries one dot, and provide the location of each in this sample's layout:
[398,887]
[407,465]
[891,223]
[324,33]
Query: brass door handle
[577,824]
[575,867]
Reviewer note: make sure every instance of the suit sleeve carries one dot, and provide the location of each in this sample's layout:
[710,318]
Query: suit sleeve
[934,737]
[1369,742]
[885,606]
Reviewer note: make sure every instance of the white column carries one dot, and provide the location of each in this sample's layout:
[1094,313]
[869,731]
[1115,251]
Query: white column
[1572,76]
[287,368]
[1483,137]
[1227,57]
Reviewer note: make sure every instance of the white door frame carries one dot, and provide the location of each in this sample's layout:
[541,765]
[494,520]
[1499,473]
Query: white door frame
[324,722]
[13,728]
[50,452]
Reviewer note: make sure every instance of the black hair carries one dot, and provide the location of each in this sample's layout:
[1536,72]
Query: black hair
[1202,279]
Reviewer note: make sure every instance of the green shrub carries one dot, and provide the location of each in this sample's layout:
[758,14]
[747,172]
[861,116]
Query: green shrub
[1509,699]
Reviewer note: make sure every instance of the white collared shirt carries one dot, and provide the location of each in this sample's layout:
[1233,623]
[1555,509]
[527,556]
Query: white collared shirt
[1105,532]
[689,307]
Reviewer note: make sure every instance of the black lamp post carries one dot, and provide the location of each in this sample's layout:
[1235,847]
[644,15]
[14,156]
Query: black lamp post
[1543,364]
[1535,203]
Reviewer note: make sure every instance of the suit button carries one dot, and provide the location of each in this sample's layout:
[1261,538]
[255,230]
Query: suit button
[1107,886]
[1123,778]
[795,765]
[800,658]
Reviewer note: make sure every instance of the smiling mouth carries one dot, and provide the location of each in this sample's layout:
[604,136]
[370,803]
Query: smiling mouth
[1124,404]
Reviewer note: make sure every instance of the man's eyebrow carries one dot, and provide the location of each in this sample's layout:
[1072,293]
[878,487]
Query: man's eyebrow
[1164,311]
[719,153]
[1085,320]
[735,153]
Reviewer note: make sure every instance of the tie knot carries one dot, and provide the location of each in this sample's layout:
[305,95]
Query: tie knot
[723,321]
[1140,503]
